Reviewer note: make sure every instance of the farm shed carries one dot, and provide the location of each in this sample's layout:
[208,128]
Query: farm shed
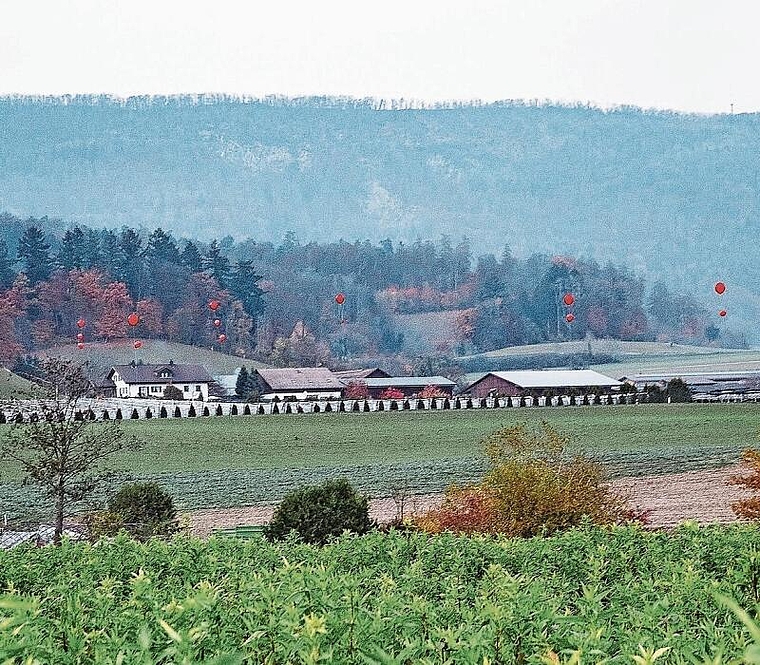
[299,383]
[539,382]
[409,385]
[139,380]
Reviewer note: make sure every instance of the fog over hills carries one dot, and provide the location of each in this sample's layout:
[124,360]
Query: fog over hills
[674,196]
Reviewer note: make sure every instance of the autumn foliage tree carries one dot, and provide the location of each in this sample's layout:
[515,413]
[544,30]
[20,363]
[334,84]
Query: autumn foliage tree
[534,486]
[356,390]
[749,508]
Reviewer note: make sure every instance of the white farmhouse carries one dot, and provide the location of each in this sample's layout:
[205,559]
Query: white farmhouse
[138,380]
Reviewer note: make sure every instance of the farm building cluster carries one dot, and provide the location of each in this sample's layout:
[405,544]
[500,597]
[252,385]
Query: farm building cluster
[193,382]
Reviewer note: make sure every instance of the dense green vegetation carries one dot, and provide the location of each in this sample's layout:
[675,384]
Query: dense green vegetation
[607,595]
[246,460]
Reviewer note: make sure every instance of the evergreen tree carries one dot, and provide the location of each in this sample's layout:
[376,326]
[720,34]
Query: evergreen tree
[243,284]
[7,275]
[128,261]
[109,252]
[243,385]
[72,252]
[217,264]
[34,255]
[161,245]
[191,258]
[91,254]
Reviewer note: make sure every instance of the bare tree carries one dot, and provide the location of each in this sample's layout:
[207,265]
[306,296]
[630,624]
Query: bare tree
[62,451]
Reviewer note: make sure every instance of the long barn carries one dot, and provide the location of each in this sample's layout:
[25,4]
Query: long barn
[539,382]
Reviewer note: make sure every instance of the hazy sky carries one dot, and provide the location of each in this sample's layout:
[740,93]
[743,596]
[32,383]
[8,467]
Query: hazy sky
[695,55]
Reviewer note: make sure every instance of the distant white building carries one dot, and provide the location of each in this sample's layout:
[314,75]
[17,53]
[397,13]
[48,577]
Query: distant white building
[150,381]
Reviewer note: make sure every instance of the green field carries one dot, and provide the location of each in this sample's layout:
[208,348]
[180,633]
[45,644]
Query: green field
[605,595]
[104,354]
[13,386]
[233,461]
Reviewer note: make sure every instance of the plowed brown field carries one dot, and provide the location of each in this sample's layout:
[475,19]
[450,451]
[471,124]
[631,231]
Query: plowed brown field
[704,496]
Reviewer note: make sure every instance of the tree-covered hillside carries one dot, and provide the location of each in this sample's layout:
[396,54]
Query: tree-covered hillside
[673,196]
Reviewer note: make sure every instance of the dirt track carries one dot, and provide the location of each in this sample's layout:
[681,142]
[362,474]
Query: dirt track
[701,495]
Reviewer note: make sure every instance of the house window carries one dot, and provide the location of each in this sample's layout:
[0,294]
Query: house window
[185,389]
[155,389]
[197,388]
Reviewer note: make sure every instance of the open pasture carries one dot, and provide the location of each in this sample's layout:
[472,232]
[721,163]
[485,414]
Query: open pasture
[234,461]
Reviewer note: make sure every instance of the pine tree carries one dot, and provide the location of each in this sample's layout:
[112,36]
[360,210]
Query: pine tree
[243,285]
[128,262]
[6,267]
[217,265]
[191,258]
[162,246]
[34,255]
[242,385]
[71,255]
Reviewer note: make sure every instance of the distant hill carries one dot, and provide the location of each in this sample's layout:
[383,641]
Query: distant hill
[674,196]
[13,386]
[103,355]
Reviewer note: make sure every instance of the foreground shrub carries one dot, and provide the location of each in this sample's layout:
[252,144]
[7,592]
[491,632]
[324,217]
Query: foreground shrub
[320,512]
[533,487]
[144,510]
[749,508]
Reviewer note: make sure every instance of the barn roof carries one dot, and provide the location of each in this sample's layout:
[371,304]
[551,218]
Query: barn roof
[349,374]
[136,373]
[300,378]
[553,378]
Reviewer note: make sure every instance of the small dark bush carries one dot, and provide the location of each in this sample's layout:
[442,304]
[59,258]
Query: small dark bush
[173,393]
[191,411]
[162,413]
[135,415]
[177,412]
[145,510]
[320,512]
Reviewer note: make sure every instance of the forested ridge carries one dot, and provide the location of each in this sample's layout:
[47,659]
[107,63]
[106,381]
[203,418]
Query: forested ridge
[277,301]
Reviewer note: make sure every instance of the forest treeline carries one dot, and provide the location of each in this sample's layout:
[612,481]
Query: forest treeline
[277,301]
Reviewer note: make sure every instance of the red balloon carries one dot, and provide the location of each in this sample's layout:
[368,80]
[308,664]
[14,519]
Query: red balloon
[213,305]
[217,323]
[138,344]
[133,319]
[722,312]
[80,337]
[569,299]
[80,345]
[340,299]
[570,317]
[222,338]
[720,288]
[81,323]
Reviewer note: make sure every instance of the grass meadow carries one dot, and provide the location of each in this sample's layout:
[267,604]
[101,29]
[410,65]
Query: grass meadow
[244,460]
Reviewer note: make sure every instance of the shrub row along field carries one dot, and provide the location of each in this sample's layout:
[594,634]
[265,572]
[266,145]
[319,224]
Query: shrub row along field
[236,461]
[384,598]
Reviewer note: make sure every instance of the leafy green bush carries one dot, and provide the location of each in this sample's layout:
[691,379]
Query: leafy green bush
[320,512]
[145,510]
